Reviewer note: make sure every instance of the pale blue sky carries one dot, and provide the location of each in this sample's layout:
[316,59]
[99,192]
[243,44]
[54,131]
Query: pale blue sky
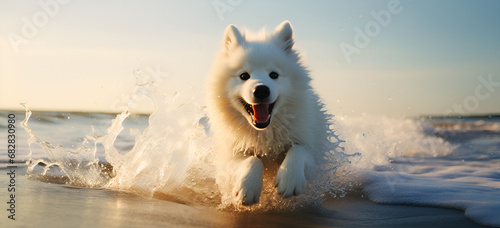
[427,59]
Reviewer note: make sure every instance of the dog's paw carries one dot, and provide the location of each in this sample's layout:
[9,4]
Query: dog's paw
[247,193]
[291,176]
[248,188]
[290,181]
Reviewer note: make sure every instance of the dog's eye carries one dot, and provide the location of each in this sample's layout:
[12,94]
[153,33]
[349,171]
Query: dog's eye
[273,75]
[244,76]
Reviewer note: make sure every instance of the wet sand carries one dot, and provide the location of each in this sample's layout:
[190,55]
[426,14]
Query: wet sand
[40,204]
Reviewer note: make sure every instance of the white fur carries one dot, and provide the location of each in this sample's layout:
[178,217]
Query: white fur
[299,126]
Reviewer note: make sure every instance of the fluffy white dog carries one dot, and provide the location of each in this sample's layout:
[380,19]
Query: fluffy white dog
[262,110]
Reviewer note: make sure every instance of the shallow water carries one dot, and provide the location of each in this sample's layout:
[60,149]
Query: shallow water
[166,156]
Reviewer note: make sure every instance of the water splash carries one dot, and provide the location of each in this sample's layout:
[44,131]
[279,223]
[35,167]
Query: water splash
[171,159]
[81,166]
[170,151]
[378,139]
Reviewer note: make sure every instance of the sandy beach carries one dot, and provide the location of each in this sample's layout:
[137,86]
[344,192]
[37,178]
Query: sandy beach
[55,205]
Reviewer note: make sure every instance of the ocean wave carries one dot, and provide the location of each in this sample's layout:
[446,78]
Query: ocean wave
[476,126]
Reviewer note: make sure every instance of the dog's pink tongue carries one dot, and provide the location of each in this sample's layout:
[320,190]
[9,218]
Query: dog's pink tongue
[261,112]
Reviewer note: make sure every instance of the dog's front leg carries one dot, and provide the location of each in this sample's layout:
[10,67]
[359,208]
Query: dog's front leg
[248,184]
[291,177]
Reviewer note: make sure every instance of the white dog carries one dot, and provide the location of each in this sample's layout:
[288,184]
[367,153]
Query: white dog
[261,107]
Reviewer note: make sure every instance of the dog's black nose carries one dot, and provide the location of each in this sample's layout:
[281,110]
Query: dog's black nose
[261,92]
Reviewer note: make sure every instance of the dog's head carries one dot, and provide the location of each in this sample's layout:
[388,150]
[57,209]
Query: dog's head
[258,72]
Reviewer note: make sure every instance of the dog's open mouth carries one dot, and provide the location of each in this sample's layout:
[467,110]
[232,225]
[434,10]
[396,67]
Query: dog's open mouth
[260,113]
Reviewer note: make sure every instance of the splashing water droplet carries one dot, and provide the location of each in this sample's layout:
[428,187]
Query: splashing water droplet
[172,158]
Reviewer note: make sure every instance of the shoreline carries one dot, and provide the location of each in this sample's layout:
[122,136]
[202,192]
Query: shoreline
[54,205]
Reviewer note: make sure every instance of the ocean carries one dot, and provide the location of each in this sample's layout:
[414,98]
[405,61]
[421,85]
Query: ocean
[125,170]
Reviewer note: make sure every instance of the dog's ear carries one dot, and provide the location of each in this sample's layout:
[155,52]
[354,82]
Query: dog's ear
[232,38]
[283,36]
